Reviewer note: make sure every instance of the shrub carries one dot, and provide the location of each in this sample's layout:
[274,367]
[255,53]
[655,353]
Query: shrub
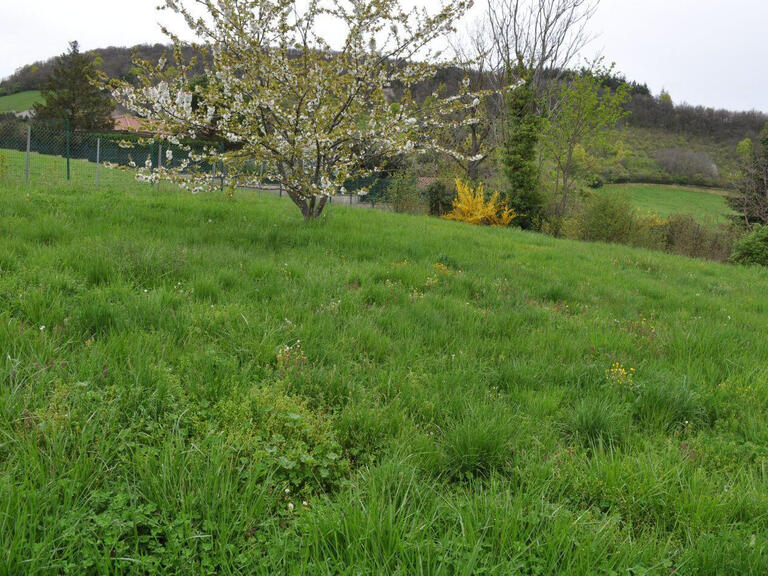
[607,218]
[470,205]
[650,231]
[688,237]
[752,248]
[687,163]
[440,197]
[404,195]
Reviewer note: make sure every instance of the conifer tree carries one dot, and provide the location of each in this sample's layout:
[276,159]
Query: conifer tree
[520,154]
[70,95]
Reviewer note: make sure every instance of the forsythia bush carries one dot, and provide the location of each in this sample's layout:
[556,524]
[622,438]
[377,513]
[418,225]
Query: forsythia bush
[471,206]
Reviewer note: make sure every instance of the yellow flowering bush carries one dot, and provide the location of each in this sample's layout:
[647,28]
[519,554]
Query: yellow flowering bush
[471,206]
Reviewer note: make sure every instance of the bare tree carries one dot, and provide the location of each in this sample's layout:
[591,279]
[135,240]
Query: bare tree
[530,37]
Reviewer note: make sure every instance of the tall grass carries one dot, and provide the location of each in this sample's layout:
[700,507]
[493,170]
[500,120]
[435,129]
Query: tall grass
[190,384]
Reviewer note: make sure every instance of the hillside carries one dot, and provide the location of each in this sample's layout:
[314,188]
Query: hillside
[707,205]
[193,384]
[662,142]
[20,101]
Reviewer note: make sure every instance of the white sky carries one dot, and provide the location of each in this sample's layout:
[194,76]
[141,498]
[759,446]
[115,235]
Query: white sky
[708,52]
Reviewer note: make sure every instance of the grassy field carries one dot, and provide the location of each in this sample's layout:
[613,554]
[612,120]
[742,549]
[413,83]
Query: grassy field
[705,204]
[20,101]
[46,170]
[191,385]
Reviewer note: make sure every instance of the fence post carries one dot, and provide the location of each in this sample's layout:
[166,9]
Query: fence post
[159,160]
[29,148]
[98,159]
[68,171]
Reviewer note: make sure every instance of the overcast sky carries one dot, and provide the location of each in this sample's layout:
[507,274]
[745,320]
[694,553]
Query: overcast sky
[708,52]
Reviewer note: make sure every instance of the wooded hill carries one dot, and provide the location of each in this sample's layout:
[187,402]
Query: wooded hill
[661,141]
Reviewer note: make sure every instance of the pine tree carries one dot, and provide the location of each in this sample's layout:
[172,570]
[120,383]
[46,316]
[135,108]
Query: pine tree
[70,95]
[519,156]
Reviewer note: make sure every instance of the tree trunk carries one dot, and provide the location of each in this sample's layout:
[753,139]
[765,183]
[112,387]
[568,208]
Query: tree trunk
[311,207]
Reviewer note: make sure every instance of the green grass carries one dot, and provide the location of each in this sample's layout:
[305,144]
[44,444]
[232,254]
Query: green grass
[180,374]
[49,170]
[20,101]
[705,204]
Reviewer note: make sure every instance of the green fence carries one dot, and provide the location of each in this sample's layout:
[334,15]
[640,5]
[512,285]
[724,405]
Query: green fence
[51,153]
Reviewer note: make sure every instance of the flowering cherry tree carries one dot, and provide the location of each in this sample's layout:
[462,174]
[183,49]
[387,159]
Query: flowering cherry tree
[307,112]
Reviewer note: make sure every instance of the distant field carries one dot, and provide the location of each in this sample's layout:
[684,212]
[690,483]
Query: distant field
[20,101]
[704,204]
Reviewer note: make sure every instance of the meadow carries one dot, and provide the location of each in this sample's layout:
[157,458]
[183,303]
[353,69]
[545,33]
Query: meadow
[197,384]
[20,101]
[707,205]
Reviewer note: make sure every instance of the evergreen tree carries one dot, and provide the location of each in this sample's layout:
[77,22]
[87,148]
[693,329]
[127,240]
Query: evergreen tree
[70,95]
[519,156]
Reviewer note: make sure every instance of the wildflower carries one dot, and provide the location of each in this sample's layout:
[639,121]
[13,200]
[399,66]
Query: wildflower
[290,506]
[42,328]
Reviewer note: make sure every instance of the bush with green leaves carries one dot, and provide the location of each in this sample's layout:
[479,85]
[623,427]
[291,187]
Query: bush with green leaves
[440,195]
[404,194]
[607,218]
[752,248]
[688,237]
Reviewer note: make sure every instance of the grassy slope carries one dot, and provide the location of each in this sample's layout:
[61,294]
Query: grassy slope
[644,143]
[479,430]
[19,101]
[704,204]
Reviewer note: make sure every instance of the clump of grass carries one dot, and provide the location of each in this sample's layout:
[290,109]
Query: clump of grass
[598,423]
[96,316]
[477,443]
[665,405]
[205,290]
[99,270]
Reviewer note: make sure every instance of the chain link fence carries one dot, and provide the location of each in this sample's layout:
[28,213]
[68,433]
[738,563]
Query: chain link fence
[36,152]
[50,153]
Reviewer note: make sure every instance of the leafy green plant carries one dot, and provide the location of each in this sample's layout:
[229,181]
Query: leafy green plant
[440,197]
[752,248]
[404,195]
[274,427]
[607,218]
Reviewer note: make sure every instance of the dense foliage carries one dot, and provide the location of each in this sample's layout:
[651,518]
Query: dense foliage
[752,248]
[520,156]
[70,94]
